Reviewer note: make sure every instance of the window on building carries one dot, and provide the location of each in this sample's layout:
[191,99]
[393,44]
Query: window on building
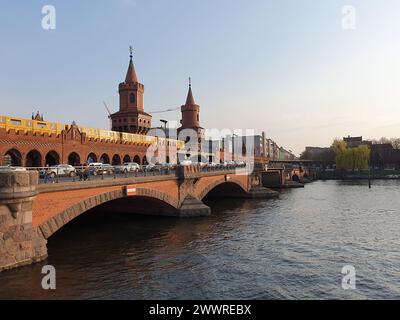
[132,98]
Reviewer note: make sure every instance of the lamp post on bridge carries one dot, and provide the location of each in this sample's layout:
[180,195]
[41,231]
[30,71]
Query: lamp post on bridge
[165,125]
[233,145]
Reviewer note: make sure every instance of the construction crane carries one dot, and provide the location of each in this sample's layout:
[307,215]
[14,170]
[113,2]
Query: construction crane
[151,112]
[109,114]
[163,111]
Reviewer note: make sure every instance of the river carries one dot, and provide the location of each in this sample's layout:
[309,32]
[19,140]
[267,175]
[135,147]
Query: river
[293,247]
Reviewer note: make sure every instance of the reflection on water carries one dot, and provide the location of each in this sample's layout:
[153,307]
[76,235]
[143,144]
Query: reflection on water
[292,247]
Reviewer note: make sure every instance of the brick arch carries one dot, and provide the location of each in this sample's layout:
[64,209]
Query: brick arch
[93,156]
[137,159]
[59,219]
[156,194]
[34,158]
[52,158]
[202,192]
[15,155]
[116,159]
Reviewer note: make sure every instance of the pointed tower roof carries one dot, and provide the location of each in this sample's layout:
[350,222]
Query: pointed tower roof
[190,99]
[131,73]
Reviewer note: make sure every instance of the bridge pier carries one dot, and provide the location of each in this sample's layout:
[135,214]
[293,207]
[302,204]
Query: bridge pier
[272,179]
[20,242]
[192,207]
[257,188]
[261,192]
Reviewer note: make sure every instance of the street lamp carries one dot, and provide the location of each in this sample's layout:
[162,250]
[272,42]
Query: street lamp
[233,145]
[165,124]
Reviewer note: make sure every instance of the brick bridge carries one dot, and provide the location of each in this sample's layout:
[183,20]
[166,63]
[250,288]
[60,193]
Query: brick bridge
[30,213]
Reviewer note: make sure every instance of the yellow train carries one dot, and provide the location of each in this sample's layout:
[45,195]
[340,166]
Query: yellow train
[29,125]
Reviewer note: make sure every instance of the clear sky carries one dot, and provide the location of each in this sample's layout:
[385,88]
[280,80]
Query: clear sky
[283,66]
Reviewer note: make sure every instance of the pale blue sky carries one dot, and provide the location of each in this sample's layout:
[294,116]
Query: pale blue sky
[283,66]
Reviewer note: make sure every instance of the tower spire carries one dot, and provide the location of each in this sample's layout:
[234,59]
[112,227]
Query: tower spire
[190,99]
[130,51]
[131,73]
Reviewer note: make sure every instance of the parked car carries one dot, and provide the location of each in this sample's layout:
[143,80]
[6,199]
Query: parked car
[103,169]
[166,166]
[229,164]
[11,168]
[61,170]
[98,168]
[213,165]
[169,166]
[186,162]
[94,167]
[95,164]
[151,167]
[127,167]
[241,163]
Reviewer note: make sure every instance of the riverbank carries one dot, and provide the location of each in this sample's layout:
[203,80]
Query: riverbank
[365,175]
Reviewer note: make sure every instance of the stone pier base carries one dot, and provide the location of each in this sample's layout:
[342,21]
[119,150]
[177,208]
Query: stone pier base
[262,192]
[292,184]
[192,207]
[20,242]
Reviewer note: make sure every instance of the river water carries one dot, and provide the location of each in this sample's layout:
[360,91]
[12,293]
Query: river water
[288,248]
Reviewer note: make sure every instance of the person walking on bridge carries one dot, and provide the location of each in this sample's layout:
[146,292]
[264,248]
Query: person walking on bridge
[85,171]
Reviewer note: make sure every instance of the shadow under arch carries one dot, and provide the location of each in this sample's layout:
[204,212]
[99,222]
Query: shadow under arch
[223,188]
[146,201]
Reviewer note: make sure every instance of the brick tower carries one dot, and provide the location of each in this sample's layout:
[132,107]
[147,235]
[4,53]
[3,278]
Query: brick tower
[191,120]
[131,116]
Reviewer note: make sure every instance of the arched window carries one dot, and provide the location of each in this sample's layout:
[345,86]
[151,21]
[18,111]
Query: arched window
[132,98]
[33,159]
[136,159]
[52,158]
[105,158]
[116,160]
[74,159]
[13,157]
[91,157]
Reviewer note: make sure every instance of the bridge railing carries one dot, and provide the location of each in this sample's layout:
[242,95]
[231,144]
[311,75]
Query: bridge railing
[222,167]
[89,173]
[68,173]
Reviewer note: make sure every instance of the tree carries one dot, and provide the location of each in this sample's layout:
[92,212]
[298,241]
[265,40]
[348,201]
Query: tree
[360,157]
[306,155]
[395,143]
[382,140]
[326,155]
[340,149]
[351,158]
